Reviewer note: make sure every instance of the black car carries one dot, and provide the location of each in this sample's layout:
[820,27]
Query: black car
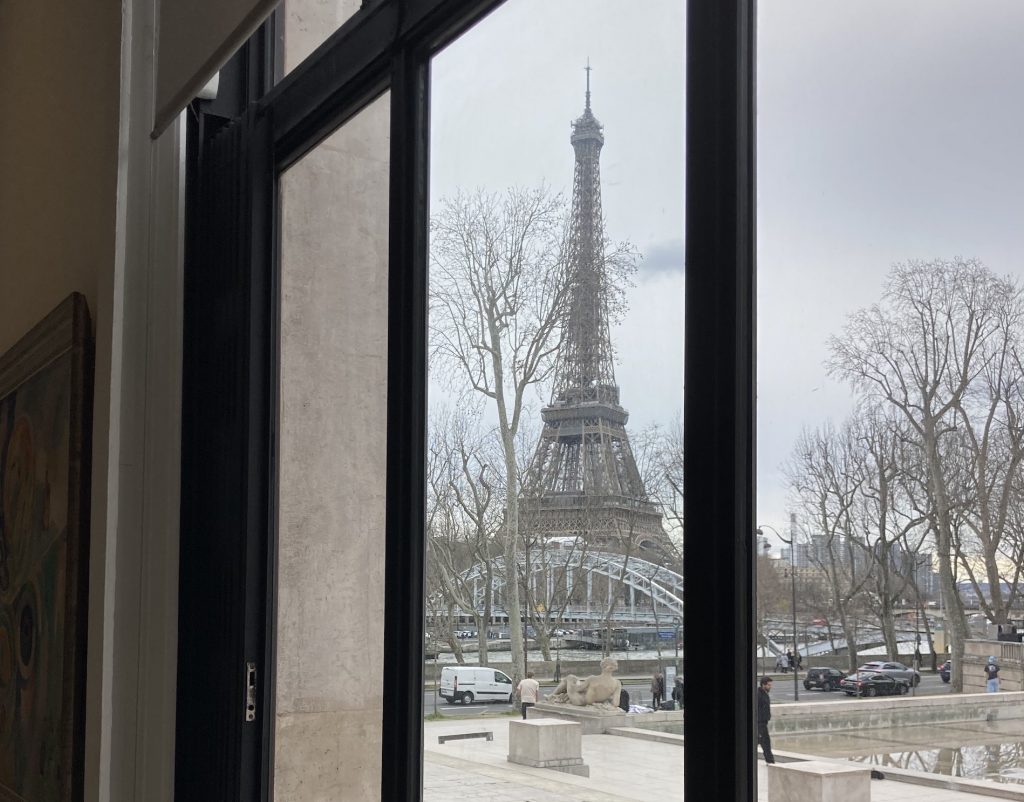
[827,679]
[945,669]
[871,683]
[897,670]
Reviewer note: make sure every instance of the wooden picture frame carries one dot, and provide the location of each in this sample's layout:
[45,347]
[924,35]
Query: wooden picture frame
[45,428]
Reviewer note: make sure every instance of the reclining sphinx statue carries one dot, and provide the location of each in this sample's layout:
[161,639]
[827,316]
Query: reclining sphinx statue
[600,691]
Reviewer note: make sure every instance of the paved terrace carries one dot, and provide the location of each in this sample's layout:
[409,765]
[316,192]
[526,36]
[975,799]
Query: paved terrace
[621,768]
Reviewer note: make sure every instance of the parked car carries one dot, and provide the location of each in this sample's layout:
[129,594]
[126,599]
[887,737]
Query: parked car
[896,670]
[468,683]
[827,679]
[872,683]
[945,669]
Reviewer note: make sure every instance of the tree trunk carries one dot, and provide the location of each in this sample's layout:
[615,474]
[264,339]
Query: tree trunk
[850,633]
[481,639]
[956,623]
[513,605]
[544,642]
[488,607]
[888,624]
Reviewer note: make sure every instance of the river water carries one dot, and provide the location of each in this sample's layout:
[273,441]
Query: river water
[566,655]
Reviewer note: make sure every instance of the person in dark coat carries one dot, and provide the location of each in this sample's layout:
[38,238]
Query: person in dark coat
[624,700]
[764,714]
[658,689]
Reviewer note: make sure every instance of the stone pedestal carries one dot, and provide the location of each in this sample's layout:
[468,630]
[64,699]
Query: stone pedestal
[818,781]
[593,721]
[547,744]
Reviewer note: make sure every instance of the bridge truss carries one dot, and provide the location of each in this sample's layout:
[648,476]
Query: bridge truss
[660,587]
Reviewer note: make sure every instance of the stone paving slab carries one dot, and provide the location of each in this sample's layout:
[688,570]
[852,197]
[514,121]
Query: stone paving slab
[622,770]
[450,779]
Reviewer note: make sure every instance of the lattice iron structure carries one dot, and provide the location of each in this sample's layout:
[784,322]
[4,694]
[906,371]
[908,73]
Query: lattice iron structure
[661,586]
[583,481]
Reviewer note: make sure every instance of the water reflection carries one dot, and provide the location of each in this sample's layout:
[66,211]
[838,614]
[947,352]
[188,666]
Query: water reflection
[975,750]
[998,762]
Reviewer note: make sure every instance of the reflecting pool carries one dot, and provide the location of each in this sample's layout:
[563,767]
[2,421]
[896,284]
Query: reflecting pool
[977,750]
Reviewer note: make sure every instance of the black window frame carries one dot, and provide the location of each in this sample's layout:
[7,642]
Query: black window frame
[237,148]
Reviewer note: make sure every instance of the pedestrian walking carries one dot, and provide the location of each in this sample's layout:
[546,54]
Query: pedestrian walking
[657,689]
[790,661]
[527,691]
[992,675]
[764,715]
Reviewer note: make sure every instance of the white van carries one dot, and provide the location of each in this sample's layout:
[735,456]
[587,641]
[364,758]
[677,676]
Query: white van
[467,684]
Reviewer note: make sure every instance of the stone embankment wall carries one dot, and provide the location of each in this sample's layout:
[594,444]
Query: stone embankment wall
[791,719]
[1009,656]
[842,662]
[545,669]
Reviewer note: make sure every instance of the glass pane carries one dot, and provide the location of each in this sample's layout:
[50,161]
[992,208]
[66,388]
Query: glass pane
[890,332]
[307,24]
[554,454]
[333,399]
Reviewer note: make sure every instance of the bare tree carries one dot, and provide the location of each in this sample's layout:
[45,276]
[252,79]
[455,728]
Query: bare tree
[885,515]
[825,475]
[498,292]
[662,470]
[985,455]
[939,328]
[772,596]
[461,523]
[553,570]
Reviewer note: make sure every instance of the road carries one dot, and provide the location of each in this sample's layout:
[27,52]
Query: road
[640,693]
[782,690]
[637,692]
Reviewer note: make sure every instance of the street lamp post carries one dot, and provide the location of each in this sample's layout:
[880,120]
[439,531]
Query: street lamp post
[526,647]
[917,630]
[437,681]
[677,622]
[792,580]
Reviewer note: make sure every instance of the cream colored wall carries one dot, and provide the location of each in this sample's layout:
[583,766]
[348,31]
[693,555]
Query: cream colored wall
[59,89]
[89,203]
[60,94]
[334,268]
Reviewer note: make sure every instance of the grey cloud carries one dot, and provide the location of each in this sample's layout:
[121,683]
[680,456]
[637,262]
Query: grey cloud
[666,256]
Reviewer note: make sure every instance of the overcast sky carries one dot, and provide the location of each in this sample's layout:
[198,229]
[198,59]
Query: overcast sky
[887,131]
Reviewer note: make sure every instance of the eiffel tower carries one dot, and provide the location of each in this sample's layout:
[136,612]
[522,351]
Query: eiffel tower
[583,481]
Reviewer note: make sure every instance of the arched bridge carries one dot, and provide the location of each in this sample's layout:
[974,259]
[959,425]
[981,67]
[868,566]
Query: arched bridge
[576,569]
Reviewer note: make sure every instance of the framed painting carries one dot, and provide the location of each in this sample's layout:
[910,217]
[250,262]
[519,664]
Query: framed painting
[45,423]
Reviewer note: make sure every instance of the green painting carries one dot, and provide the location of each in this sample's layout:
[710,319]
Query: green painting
[42,579]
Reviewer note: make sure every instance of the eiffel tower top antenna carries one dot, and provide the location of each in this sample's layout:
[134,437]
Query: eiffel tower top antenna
[588,68]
